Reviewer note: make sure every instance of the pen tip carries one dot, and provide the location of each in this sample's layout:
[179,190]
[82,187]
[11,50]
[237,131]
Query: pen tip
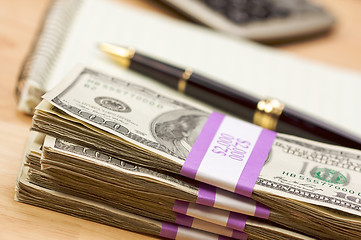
[121,54]
[106,47]
[99,45]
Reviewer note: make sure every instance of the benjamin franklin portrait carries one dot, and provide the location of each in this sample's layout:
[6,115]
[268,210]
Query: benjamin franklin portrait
[178,130]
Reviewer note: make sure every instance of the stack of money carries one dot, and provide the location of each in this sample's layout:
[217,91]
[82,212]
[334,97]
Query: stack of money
[70,170]
[122,145]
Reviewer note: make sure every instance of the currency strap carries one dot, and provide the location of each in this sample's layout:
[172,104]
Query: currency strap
[187,221]
[215,197]
[229,153]
[224,218]
[174,231]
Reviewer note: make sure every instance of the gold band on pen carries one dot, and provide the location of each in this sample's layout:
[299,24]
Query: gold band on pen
[182,84]
[267,113]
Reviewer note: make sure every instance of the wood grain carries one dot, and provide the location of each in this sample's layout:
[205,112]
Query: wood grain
[19,22]
[342,46]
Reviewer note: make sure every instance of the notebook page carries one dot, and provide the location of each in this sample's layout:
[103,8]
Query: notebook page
[328,93]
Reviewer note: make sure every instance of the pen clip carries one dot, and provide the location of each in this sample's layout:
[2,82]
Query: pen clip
[182,83]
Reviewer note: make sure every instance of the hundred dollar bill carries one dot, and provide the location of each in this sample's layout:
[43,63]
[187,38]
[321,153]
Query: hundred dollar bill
[166,128]
[31,193]
[58,152]
[93,174]
[36,177]
[88,173]
[44,179]
[142,180]
[158,130]
[325,177]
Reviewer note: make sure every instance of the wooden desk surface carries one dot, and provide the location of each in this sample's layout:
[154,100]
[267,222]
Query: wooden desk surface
[19,21]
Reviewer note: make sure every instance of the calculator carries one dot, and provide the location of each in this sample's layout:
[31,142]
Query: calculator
[259,20]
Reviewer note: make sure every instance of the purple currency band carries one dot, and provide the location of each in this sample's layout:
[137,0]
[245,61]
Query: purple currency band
[168,230]
[206,195]
[254,165]
[239,235]
[184,220]
[200,147]
[262,211]
[250,173]
[220,237]
[187,221]
[236,221]
[180,207]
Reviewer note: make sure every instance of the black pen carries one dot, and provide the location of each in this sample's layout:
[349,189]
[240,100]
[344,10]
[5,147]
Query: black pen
[268,113]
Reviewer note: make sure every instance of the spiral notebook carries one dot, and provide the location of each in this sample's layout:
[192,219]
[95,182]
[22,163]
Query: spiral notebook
[73,29]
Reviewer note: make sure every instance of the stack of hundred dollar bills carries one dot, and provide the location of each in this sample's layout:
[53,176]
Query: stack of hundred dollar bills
[118,152]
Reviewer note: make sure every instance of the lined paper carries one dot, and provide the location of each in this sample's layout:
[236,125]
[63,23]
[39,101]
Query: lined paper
[328,93]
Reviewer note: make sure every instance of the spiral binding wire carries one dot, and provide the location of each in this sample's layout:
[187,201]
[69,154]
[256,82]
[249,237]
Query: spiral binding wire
[44,53]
